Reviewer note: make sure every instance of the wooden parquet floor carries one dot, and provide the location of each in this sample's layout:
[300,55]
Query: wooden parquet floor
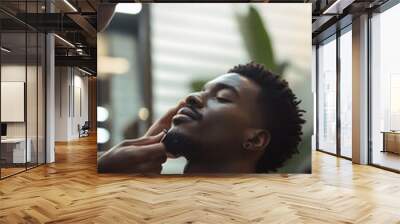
[70,191]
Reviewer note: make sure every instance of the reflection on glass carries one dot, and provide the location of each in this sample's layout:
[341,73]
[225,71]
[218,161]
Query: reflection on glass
[345,94]
[22,90]
[327,97]
[14,151]
[385,84]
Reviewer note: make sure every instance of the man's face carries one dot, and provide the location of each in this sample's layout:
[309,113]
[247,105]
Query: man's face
[216,118]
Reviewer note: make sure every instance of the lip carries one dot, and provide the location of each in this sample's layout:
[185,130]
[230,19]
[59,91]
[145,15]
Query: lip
[189,112]
[181,118]
[184,115]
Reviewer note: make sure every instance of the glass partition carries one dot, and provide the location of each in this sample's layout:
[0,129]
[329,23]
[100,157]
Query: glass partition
[385,89]
[327,96]
[346,93]
[14,153]
[31,99]
[22,88]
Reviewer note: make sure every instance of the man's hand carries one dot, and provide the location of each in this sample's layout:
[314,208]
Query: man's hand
[144,155]
[165,121]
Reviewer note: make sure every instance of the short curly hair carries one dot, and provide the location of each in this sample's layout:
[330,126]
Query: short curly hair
[283,117]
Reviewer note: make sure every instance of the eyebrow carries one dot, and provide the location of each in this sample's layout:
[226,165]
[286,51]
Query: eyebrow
[220,86]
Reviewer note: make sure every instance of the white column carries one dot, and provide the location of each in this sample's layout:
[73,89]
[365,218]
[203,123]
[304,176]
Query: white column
[50,98]
[360,90]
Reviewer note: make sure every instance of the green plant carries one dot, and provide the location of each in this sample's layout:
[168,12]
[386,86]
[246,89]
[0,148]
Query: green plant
[197,85]
[258,42]
[260,49]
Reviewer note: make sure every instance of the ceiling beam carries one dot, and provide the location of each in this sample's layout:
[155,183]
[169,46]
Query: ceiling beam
[82,61]
[337,7]
[84,24]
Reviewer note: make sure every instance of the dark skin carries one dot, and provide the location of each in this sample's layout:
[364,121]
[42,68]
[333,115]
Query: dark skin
[224,122]
[142,155]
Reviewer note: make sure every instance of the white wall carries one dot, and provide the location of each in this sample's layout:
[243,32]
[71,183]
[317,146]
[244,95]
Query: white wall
[70,83]
[34,125]
[12,73]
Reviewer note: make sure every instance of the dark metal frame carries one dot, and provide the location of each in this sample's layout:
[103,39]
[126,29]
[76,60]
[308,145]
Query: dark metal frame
[316,97]
[338,98]
[369,91]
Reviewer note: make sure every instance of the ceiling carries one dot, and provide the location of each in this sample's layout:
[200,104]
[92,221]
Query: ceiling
[76,22]
[330,15]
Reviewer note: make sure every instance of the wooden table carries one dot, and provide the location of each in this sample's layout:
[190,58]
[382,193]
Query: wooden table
[391,141]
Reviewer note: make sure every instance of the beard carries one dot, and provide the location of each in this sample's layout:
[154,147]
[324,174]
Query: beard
[179,144]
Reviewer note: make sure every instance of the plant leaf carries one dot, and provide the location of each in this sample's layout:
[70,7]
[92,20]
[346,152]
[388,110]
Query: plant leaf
[257,39]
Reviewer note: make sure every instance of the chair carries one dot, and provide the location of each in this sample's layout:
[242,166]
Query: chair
[84,130]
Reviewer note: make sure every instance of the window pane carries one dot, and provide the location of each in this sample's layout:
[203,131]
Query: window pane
[327,97]
[31,97]
[15,150]
[385,86]
[345,94]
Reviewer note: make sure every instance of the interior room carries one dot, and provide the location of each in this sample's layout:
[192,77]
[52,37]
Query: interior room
[22,96]
[385,123]
[72,103]
[58,111]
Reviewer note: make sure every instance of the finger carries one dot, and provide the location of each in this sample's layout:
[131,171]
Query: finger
[158,126]
[181,103]
[151,139]
[148,154]
[132,142]
[157,138]
[144,152]
[156,148]
[165,121]
[171,112]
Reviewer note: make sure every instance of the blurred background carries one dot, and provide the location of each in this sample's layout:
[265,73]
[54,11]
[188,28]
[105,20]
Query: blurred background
[152,55]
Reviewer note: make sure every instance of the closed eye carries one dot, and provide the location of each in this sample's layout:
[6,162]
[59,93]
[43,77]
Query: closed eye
[223,100]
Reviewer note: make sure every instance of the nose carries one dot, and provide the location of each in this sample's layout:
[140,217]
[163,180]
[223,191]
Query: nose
[195,100]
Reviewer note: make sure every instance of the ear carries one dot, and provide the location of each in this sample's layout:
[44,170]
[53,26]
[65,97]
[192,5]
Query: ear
[256,139]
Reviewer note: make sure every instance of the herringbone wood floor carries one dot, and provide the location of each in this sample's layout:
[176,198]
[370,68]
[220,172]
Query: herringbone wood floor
[70,191]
